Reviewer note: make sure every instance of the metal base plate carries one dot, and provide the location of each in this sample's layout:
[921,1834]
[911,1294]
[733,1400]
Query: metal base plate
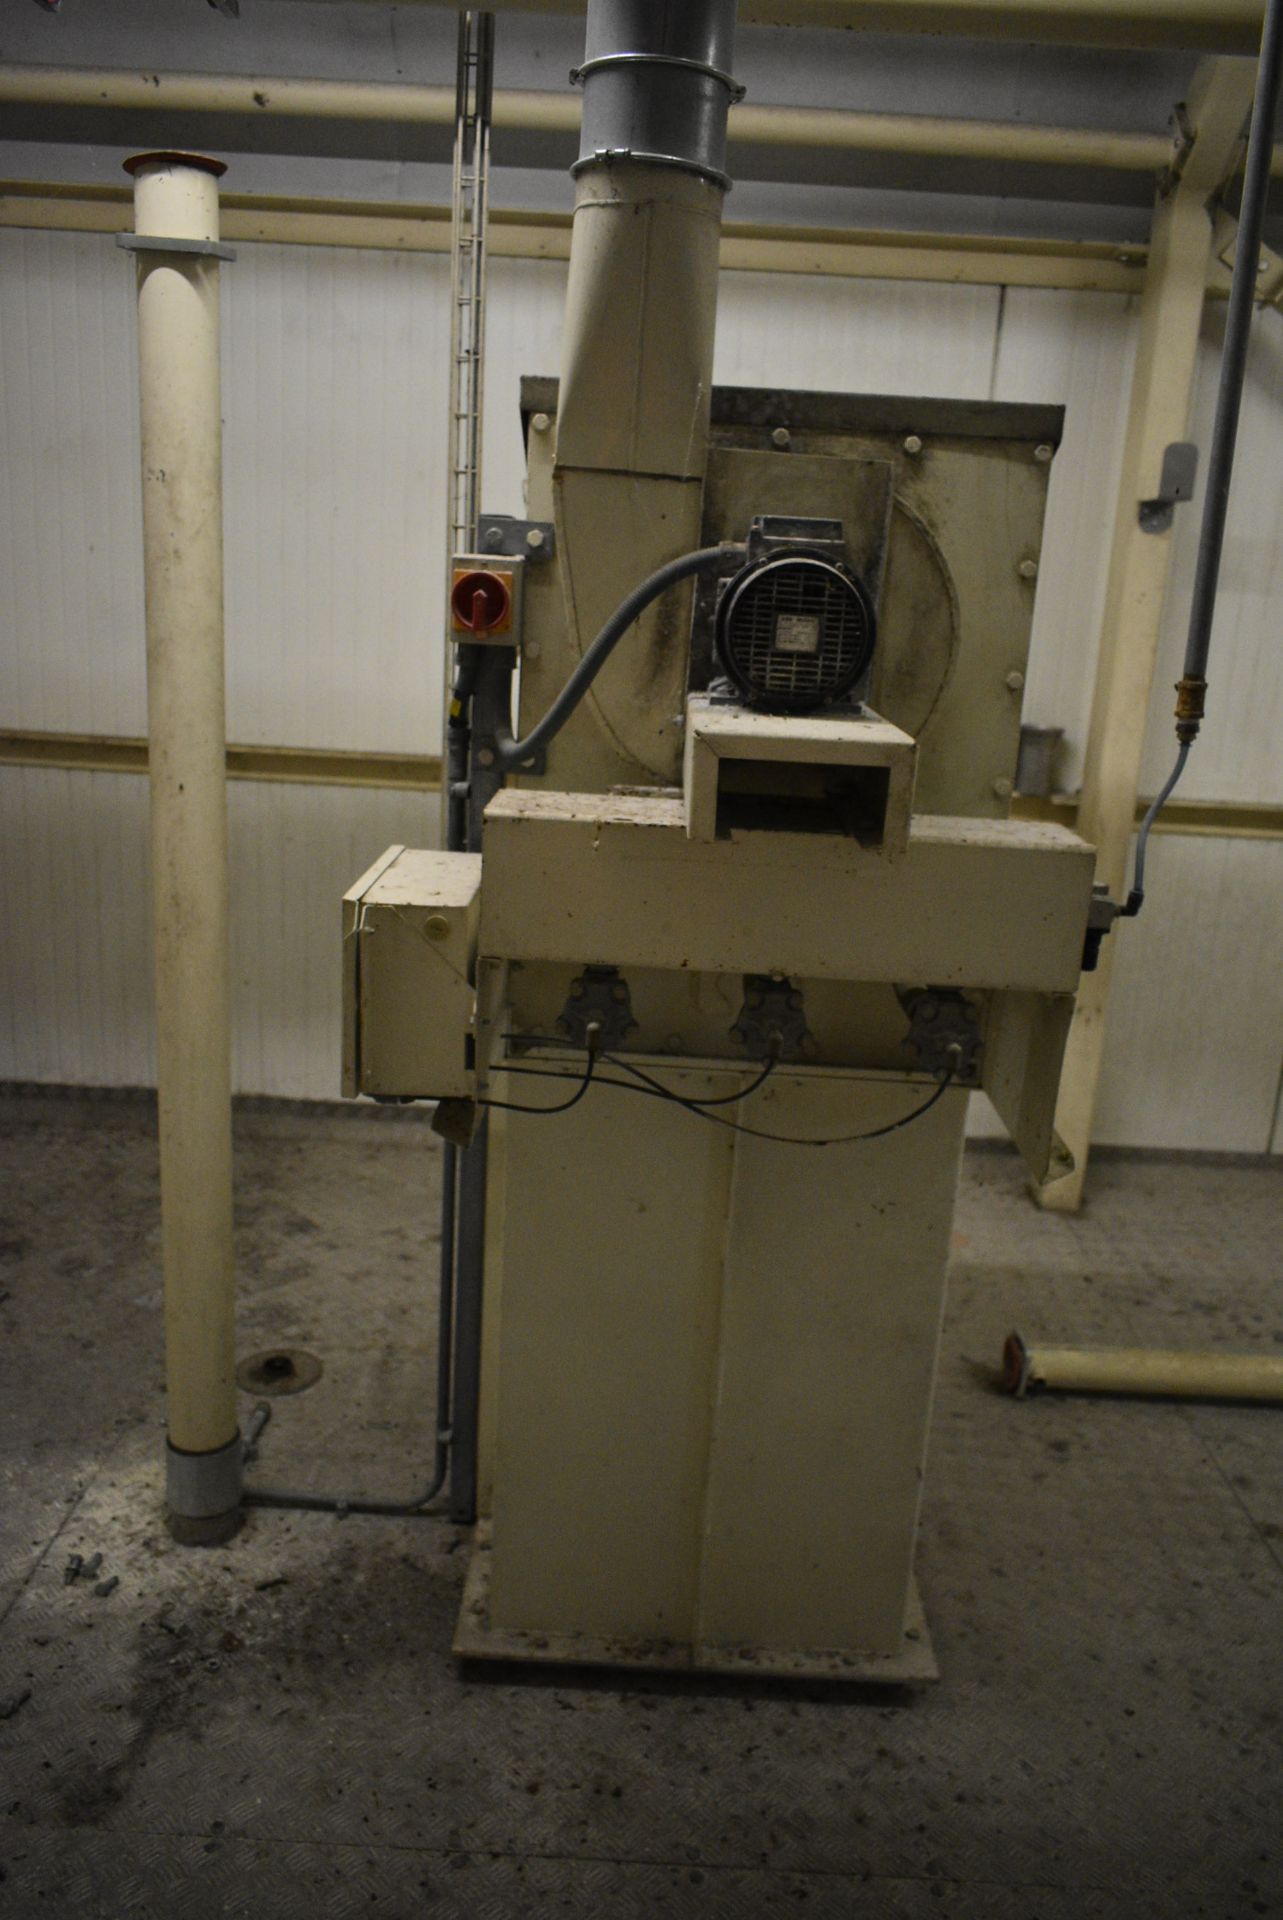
[476,1639]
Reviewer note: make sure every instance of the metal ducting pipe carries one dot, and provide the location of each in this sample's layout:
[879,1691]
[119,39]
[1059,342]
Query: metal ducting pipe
[637,356]
[178,252]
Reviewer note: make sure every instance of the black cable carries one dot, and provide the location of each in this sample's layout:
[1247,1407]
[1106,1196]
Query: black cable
[715,1100]
[643,1084]
[784,1139]
[511,1106]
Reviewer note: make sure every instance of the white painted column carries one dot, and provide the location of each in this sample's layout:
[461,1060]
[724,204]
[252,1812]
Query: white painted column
[176,201]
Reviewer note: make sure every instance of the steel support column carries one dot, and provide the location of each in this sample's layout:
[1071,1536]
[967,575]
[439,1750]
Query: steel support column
[1162,385]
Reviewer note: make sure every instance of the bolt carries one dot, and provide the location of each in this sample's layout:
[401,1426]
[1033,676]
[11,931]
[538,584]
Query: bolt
[913,443]
[1027,569]
[781,437]
[485,757]
[494,538]
[1043,453]
[436,926]
[1002,787]
[535,539]
[540,423]
[1015,680]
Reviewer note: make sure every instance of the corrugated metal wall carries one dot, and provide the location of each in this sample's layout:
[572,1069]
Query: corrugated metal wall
[334,393]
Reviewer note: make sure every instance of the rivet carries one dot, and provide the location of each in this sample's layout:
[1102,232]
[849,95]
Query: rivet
[1015,680]
[485,757]
[540,423]
[532,649]
[913,443]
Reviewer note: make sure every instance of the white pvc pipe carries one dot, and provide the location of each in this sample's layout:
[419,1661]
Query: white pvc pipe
[176,198]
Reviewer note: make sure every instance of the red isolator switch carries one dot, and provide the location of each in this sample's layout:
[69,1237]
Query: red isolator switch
[481,601]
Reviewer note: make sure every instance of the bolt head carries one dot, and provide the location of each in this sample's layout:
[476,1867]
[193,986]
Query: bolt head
[494,539]
[1002,787]
[436,926]
[1015,680]
[781,437]
[532,650]
[1043,453]
[535,539]
[913,444]
[485,756]
[540,422]
[1027,569]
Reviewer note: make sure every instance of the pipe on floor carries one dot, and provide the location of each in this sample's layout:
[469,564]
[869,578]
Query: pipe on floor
[177,253]
[1170,1373]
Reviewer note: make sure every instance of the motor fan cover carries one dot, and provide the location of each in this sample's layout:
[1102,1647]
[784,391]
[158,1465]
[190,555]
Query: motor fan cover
[795,632]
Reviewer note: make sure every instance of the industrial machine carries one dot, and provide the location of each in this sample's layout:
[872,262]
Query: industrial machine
[731,922]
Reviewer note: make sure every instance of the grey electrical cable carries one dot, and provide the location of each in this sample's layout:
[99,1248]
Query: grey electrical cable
[1136,898]
[510,753]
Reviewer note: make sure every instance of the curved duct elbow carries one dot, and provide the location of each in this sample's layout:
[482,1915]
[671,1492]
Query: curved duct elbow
[657,84]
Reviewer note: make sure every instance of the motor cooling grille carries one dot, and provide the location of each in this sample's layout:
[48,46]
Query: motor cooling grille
[795,632]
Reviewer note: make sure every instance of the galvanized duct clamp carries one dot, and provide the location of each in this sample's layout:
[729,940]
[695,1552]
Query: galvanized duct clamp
[652,106]
[157,243]
[732,85]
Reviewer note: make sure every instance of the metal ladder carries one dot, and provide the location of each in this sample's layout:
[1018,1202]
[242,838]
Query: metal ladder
[470,187]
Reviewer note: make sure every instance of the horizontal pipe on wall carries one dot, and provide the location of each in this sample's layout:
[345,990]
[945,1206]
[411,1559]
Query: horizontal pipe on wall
[957,259]
[421,773]
[299,766]
[1224,26]
[534,111]
[832,252]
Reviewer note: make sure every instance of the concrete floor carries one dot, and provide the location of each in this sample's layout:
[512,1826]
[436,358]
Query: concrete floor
[277,1727]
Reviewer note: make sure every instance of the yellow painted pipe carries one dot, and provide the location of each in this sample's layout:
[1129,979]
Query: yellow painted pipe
[176,229]
[1168,1372]
[547,112]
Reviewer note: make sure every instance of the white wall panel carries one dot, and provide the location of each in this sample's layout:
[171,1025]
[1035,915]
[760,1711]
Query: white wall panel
[71,616]
[878,336]
[1196,1014]
[1238,755]
[75,947]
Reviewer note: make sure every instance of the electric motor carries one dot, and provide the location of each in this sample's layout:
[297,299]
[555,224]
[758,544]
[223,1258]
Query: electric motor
[795,628]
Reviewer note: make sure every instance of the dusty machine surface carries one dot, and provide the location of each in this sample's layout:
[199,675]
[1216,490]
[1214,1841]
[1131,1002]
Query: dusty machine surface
[732,922]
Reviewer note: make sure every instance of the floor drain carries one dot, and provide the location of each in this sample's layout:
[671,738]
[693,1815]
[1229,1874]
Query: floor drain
[279,1370]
